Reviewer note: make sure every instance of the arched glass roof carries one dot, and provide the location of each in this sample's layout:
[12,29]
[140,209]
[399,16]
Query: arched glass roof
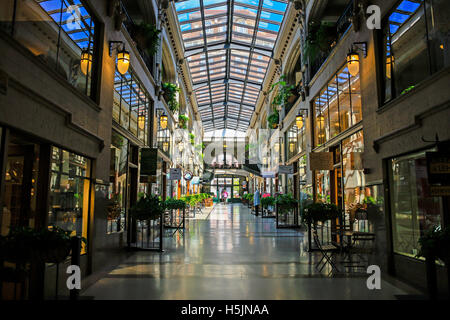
[228,47]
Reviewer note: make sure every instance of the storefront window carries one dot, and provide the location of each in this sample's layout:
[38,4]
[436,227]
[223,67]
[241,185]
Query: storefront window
[323,186]
[353,175]
[70,188]
[131,105]
[337,107]
[117,193]
[61,33]
[413,209]
[419,27]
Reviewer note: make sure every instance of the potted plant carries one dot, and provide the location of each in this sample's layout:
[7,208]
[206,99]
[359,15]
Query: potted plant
[192,138]
[183,121]
[435,244]
[285,203]
[267,202]
[320,212]
[273,119]
[55,244]
[146,37]
[170,95]
[319,41]
[286,93]
[174,204]
[149,207]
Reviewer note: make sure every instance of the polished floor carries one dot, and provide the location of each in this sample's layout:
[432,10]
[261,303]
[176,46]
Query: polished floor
[231,254]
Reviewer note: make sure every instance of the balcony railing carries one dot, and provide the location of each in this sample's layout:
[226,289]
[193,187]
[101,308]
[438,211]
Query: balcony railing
[129,25]
[342,25]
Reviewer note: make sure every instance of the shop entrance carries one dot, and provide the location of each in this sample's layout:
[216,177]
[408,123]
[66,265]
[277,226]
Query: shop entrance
[227,185]
[20,183]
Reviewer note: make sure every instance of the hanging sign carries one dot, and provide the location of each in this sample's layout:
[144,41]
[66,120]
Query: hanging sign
[440,191]
[175,174]
[149,161]
[438,167]
[188,176]
[286,169]
[268,174]
[321,161]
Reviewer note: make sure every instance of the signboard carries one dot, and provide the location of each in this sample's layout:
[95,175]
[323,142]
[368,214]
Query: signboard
[438,167]
[356,161]
[321,161]
[286,169]
[188,176]
[149,161]
[440,191]
[175,174]
[195,180]
[268,174]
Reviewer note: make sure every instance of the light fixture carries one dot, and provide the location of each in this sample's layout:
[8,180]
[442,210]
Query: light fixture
[86,62]
[291,147]
[123,61]
[353,57]
[141,122]
[180,146]
[276,147]
[163,120]
[264,160]
[299,121]
[165,146]
[123,57]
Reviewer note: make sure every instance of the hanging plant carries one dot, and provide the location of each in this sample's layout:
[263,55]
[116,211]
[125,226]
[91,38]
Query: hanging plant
[146,36]
[285,203]
[170,95]
[320,211]
[273,119]
[183,121]
[285,92]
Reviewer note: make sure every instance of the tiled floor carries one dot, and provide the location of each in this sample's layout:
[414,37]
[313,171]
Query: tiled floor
[232,255]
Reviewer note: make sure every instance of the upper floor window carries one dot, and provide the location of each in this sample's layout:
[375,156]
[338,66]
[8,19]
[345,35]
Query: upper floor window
[61,33]
[131,105]
[337,107]
[415,44]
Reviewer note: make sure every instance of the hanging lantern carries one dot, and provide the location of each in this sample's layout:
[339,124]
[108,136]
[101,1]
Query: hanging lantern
[291,147]
[299,121]
[165,146]
[141,122]
[353,63]
[86,62]
[123,61]
[163,120]
[320,120]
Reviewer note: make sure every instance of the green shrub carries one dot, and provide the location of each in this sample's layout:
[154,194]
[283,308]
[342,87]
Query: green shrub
[285,203]
[320,211]
[174,204]
[267,201]
[149,207]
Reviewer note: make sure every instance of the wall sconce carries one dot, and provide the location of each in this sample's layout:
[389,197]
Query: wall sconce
[165,146]
[353,57]
[86,62]
[141,122]
[299,119]
[123,57]
[163,121]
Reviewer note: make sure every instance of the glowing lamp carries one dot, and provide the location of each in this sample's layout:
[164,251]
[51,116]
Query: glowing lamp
[141,122]
[86,62]
[123,61]
[163,120]
[299,121]
[353,63]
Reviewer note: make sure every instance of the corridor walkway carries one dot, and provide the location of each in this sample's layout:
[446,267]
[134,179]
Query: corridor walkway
[230,255]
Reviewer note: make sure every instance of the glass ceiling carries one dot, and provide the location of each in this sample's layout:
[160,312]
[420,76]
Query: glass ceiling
[228,46]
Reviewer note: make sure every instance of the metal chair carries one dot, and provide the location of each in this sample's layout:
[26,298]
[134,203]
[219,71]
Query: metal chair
[327,252]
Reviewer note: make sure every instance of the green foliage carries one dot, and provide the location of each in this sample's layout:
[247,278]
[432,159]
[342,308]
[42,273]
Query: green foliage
[170,94]
[273,119]
[146,37]
[248,196]
[149,207]
[435,243]
[192,138]
[172,203]
[283,94]
[267,201]
[320,211]
[319,40]
[408,90]
[24,244]
[183,121]
[285,203]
